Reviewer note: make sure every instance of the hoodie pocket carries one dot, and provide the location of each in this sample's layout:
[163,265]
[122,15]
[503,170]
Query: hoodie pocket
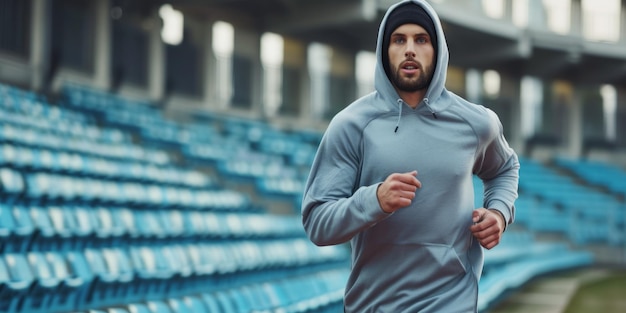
[424,268]
[408,276]
[440,260]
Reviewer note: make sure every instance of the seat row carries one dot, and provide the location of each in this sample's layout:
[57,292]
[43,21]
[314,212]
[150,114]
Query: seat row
[41,228]
[55,281]
[28,103]
[78,164]
[314,293]
[268,151]
[561,205]
[596,173]
[61,126]
[581,225]
[49,188]
[27,136]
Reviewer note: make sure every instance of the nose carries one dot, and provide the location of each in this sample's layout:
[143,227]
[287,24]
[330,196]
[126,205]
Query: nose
[410,50]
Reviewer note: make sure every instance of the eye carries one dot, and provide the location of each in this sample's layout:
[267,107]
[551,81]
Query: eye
[398,40]
[422,39]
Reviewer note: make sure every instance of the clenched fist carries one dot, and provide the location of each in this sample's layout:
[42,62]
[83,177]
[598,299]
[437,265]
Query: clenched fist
[397,191]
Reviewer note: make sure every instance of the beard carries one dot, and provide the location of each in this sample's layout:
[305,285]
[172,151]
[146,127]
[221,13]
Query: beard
[412,84]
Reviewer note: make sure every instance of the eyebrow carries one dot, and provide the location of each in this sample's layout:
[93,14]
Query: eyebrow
[396,34]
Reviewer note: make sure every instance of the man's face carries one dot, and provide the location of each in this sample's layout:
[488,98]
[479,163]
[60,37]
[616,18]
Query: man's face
[411,56]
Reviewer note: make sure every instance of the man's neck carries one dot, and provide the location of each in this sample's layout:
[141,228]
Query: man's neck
[413,99]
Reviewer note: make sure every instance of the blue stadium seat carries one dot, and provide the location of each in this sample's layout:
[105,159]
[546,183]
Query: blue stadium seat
[80,278]
[23,228]
[18,281]
[12,184]
[275,295]
[209,300]
[547,217]
[66,227]
[45,237]
[215,225]
[195,305]
[124,220]
[107,229]
[158,307]
[596,173]
[113,277]
[138,308]
[174,223]
[240,299]
[112,193]
[6,224]
[179,265]
[85,223]
[226,302]
[8,228]
[151,269]
[39,186]
[200,261]
[155,196]
[148,224]
[67,295]
[257,297]
[525,206]
[9,290]
[41,294]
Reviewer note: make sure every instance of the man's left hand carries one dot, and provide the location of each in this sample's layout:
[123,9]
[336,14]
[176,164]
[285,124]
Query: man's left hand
[488,227]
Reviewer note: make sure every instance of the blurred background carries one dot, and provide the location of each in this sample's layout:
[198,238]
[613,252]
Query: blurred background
[153,153]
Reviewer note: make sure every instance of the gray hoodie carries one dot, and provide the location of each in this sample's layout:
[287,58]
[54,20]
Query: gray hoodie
[421,258]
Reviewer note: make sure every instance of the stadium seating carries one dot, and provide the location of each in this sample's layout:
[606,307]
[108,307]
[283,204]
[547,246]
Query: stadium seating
[583,214]
[597,173]
[508,266]
[107,205]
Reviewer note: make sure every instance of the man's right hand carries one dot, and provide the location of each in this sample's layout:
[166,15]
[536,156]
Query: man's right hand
[397,191]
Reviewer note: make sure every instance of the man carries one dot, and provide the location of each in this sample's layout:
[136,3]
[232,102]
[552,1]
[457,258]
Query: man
[393,175]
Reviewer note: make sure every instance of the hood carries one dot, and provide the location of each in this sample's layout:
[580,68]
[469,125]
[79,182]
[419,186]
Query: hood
[437,86]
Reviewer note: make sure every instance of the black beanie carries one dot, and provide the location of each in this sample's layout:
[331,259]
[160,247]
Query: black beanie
[409,13]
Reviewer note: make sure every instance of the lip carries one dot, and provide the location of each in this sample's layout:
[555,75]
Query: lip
[410,67]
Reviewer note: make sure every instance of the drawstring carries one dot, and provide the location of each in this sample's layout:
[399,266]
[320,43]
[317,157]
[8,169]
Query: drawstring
[429,108]
[399,114]
[400,102]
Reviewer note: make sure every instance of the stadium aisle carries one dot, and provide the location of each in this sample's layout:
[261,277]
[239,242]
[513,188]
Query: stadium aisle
[550,294]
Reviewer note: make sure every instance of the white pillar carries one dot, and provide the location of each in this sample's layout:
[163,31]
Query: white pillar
[156,60]
[537,17]
[622,21]
[576,18]
[102,46]
[621,116]
[575,125]
[209,76]
[39,42]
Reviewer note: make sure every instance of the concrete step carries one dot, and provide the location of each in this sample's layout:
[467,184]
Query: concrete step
[550,294]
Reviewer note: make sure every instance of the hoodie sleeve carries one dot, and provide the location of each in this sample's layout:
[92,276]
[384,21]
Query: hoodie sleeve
[498,167]
[333,208]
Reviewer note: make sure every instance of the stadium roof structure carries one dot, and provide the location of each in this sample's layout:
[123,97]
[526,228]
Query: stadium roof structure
[474,39]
